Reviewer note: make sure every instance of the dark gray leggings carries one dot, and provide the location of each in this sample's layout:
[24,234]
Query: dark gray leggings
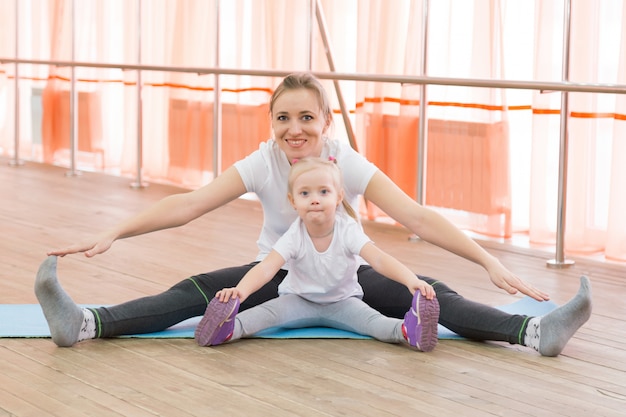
[190,297]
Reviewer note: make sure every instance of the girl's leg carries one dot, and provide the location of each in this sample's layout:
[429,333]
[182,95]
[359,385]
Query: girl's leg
[293,311]
[288,310]
[353,315]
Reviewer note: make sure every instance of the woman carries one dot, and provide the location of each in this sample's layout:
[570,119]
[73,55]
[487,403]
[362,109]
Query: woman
[301,116]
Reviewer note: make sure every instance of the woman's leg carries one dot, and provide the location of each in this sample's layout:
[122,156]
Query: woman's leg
[464,317]
[187,299]
[547,334]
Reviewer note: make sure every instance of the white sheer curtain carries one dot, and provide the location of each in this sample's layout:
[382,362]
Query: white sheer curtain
[598,40]
[513,133]
[616,226]
[468,136]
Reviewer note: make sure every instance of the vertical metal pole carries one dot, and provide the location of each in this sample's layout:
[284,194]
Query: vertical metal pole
[331,64]
[73,102]
[423,123]
[311,24]
[16,154]
[217,104]
[139,183]
[422,134]
[560,261]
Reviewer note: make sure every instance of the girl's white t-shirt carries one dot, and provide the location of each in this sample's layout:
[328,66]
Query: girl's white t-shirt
[323,277]
[265,171]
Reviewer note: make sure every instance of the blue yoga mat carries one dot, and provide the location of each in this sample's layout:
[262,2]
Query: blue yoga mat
[27,320]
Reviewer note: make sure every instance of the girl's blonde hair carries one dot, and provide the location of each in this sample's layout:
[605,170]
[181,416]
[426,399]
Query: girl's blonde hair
[300,166]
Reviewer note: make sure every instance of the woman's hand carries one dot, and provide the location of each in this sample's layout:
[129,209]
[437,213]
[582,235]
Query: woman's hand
[91,248]
[511,283]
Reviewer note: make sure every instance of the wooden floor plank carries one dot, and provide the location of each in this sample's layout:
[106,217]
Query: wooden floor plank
[41,208]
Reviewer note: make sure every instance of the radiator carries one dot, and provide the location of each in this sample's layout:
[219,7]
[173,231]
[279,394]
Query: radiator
[55,122]
[190,134]
[466,163]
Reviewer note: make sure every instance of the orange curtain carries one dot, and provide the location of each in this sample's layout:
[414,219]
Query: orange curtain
[98,38]
[33,27]
[189,103]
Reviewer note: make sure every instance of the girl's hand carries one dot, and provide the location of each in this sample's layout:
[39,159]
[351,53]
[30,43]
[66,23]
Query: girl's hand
[227,293]
[425,288]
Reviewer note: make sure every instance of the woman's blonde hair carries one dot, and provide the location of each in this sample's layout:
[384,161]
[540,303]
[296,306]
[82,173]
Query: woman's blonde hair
[300,166]
[304,80]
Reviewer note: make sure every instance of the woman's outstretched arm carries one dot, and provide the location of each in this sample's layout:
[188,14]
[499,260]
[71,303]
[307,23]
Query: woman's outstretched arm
[172,211]
[436,229]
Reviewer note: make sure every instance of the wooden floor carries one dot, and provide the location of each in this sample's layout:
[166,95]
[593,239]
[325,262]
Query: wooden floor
[41,208]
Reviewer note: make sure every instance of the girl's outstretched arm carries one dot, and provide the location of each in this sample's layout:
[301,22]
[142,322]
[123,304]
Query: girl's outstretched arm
[257,277]
[390,267]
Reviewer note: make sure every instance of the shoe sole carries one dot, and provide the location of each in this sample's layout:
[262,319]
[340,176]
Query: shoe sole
[215,316]
[427,312]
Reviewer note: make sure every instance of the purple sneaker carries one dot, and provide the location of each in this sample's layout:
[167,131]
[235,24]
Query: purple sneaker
[218,322]
[420,323]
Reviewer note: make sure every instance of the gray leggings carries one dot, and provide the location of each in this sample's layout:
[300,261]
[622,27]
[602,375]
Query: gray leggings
[190,297]
[293,311]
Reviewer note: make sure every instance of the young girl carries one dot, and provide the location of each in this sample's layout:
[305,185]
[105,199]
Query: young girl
[322,249]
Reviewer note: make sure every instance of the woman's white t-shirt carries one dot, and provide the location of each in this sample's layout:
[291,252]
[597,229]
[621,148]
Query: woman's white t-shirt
[265,171]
